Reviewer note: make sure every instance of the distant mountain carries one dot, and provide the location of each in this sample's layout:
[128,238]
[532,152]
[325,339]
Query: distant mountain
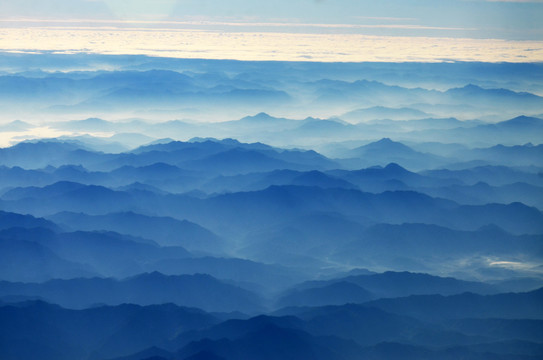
[163,88]
[317,178]
[17,176]
[381,112]
[312,132]
[441,123]
[113,254]
[203,148]
[24,259]
[388,285]
[240,160]
[237,161]
[494,97]
[106,253]
[39,330]
[386,151]
[266,337]
[384,144]
[468,305]
[519,130]
[301,239]
[246,211]
[531,123]
[53,190]
[337,293]
[390,177]
[34,155]
[515,218]
[248,274]
[342,332]
[401,245]
[335,92]
[140,187]
[400,351]
[442,326]
[318,127]
[90,124]
[16,125]
[121,141]
[281,203]
[261,121]
[270,342]
[226,156]
[263,96]
[263,180]
[68,196]
[518,155]
[17,88]
[389,234]
[202,291]
[152,353]
[492,175]
[97,144]
[352,330]
[166,231]
[305,159]
[436,148]
[10,220]
[160,175]
[363,324]
[236,328]
[483,193]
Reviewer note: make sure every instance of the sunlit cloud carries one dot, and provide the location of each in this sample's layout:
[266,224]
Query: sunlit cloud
[265,45]
[513,265]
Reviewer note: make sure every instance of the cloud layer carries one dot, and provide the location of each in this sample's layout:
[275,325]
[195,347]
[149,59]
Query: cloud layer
[266,45]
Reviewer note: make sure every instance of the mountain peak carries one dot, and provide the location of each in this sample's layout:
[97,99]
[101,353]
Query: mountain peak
[472,87]
[467,89]
[522,121]
[386,144]
[262,116]
[394,167]
[16,125]
[93,120]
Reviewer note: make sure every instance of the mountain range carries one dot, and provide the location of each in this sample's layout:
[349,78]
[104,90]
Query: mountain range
[160,209]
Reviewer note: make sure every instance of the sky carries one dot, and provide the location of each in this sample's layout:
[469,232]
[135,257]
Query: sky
[361,30]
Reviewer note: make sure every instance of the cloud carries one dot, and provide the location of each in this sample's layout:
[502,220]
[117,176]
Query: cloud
[506,19]
[265,45]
